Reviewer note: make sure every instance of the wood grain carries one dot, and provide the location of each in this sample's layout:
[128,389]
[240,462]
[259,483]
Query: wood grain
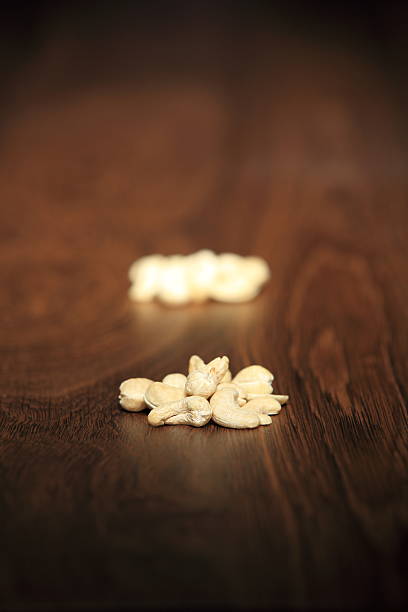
[243,135]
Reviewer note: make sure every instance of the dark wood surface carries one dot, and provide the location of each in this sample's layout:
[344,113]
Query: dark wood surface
[249,135]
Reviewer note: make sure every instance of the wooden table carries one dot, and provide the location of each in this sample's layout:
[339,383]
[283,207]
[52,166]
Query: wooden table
[252,135]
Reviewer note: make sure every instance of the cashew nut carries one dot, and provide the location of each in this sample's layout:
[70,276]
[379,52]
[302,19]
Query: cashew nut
[201,383]
[256,269]
[174,287]
[204,378]
[195,411]
[253,388]
[264,405]
[131,393]
[159,393]
[241,393]
[145,274]
[196,363]
[228,413]
[220,365]
[237,279]
[201,272]
[175,380]
[252,373]
[282,399]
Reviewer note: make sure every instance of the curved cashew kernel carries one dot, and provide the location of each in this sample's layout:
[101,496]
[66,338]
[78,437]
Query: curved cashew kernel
[256,269]
[235,289]
[174,287]
[227,412]
[282,399]
[254,387]
[195,411]
[241,393]
[131,393]
[196,363]
[219,364]
[203,378]
[201,270]
[145,274]
[253,372]
[201,383]
[264,404]
[175,380]
[159,393]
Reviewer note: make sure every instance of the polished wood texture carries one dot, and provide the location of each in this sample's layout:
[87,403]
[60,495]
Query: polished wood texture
[237,135]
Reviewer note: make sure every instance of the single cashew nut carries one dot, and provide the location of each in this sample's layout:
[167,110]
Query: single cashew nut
[241,393]
[253,373]
[131,393]
[174,287]
[282,399]
[194,411]
[264,406]
[203,378]
[236,289]
[201,271]
[256,269]
[159,393]
[145,274]
[196,363]
[175,380]
[201,383]
[253,388]
[228,413]
[238,279]
[219,364]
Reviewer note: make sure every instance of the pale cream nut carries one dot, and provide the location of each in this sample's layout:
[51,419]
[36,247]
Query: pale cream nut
[145,274]
[131,393]
[237,278]
[203,378]
[201,270]
[256,269]
[252,373]
[241,393]
[234,290]
[254,388]
[175,380]
[228,413]
[282,399]
[159,393]
[201,383]
[174,287]
[219,364]
[194,411]
[196,363]
[264,405]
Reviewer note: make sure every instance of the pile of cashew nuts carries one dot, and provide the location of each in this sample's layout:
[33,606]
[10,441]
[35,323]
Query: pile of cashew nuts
[209,391]
[180,279]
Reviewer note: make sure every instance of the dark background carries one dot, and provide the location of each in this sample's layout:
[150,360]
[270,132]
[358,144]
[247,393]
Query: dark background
[275,129]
